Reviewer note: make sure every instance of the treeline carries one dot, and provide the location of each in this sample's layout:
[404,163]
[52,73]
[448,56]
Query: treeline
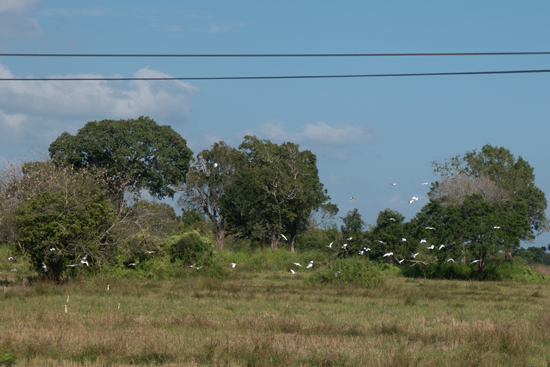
[92,205]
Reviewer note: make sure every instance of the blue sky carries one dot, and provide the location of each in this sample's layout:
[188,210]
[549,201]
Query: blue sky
[365,132]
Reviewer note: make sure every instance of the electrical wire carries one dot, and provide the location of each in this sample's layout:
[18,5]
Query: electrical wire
[277,77]
[285,55]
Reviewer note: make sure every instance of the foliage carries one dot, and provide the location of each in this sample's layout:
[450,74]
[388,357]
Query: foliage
[387,236]
[275,193]
[532,255]
[352,271]
[155,157]
[7,359]
[192,248]
[206,183]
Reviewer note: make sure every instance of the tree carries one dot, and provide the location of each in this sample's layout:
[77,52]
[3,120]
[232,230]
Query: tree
[274,193]
[206,184]
[153,157]
[353,225]
[497,175]
[390,230]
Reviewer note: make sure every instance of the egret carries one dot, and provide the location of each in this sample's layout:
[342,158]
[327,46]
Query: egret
[392,184]
[336,274]
[362,252]
[414,255]
[451,260]
[72,265]
[496,227]
[344,246]
[192,266]
[282,235]
[292,271]
[149,252]
[84,262]
[133,264]
[14,269]
[410,201]
[349,238]
[415,198]
[107,286]
[65,308]
[351,199]
[388,254]
[475,261]
[431,247]
[52,249]
[215,165]
[297,264]
[381,242]
[366,249]
[67,299]
[403,240]
[423,240]
[44,267]
[85,257]
[425,183]
[330,245]
[310,265]
[118,305]
[400,261]
[432,228]
[392,219]
[440,247]
[10,258]
[233,265]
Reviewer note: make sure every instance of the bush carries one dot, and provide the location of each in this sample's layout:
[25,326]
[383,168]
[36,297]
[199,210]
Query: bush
[7,359]
[353,271]
[192,248]
[439,271]
[508,271]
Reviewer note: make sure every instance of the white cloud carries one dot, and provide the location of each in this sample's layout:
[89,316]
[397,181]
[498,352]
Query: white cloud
[40,111]
[16,6]
[19,28]
[320,133]
[222,28]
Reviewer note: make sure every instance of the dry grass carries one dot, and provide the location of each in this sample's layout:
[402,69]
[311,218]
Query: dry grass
[275,319]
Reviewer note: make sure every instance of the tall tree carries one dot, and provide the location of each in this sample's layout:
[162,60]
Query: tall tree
[496,175]
[151,156]
[207,180]
[273,196]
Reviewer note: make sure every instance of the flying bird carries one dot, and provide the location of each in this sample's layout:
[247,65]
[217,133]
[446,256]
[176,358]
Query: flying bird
[400,261]
[330,245]
[381,242]
[414,255]
[451,260]
[310,265]
[344,246]
[84,262]
[415,198]
[292,271]
[392,184]
[475,261]
[362,252]
[14,269]
[282,235]
[440,247]
[215,165]
[233,265]
[392,219]
[351,199]
[496,227]
[10,258]
[297,264]
[336,274]
[67,299]
[366,249]
[52,249]
[65,308]
[431,247]
[149,252]
[133,264]
[403,240]
[425,183]
[423,240]
[432,228]
[349,238]
[388,254]
[410,201]
[44,267]
[72,265]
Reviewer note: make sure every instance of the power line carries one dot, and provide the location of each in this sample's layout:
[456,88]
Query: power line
[285,55]
[279,77]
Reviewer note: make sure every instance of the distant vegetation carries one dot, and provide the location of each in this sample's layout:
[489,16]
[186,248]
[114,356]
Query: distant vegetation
[90,209]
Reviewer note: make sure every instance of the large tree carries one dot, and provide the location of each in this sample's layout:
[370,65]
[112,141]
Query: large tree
[273,195]
[207,180]
[150,156]
[496,175]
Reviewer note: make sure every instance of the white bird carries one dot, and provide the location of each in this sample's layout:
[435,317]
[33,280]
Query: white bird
[310,265]
[198,267]
[440,247]
[392,219]
[432,228]
[400,261]
[44,267]
[415,198]
[425,183]
[423,240]
[149,252]
[349,238]
[215,165]
[84,262]
[362,252]
[403,240]
[496,227]
[330,245]
[292,271]
[14,269]
[85,257]
[192,266]
[336,274]
[133,264]
[392,184]
[10,258]
[388,254]
[475,261]
[344,246]
[72,265]
[450,260]
[67,299]
[414,255]
[118,305]
[65,308]
[297,264]
[233,265]
[52,249]
[351,199]
[381,242]
[282,235]
[410,201]
[366,249]
[431,247]
[107,286]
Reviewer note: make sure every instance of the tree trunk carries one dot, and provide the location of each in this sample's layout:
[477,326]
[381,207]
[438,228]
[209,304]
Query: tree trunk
[507,255]
[220,239]
[293,244]
[274,242]
[482,260]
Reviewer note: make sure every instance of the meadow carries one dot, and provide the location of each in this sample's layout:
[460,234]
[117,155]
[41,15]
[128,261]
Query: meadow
[262,315]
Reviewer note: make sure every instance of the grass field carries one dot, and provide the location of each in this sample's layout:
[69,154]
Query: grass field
[274,318]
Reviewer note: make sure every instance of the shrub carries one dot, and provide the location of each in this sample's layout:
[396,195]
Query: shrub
[192,248]
[352,271]
[7,359]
